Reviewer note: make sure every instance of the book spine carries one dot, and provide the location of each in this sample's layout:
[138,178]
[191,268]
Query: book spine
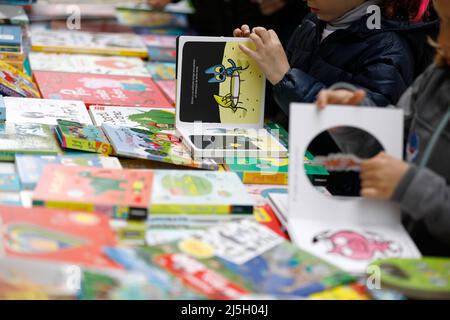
[197,209]
[87,145]
[98,51]
[263,178]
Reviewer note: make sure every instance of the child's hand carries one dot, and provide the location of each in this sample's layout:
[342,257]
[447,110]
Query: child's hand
[242,32]
[269,54]
[341,96]
[159,4]
[269,7]
[381,175]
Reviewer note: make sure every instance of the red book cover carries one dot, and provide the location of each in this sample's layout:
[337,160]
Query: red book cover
[99,89]
[265,215]
[58,235]
[117,192]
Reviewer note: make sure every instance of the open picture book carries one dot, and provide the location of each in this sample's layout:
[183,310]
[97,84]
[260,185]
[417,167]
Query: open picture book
[349,232]
[220,100]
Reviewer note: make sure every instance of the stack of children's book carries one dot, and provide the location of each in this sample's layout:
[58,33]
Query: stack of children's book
[141,177]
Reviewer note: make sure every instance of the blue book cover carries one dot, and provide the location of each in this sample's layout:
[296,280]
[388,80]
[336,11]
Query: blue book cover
[9,182]
[2,109]
[31,167]
[10,36]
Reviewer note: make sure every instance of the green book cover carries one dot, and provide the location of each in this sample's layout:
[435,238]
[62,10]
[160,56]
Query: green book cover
[27,138]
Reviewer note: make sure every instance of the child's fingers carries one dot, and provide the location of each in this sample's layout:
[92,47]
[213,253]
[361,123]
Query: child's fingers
[237,33]
[249,52]
[370,193]
[257,40]
[357,98]
[322,99]
[262,33]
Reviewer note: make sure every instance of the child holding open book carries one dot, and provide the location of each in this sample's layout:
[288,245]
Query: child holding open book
[338,42]
[420,185]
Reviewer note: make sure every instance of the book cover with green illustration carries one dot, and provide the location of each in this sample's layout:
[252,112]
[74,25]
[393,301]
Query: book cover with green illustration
[78,136]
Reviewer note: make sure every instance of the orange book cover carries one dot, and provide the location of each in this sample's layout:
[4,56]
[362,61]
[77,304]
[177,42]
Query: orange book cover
[57,235]
[120,193]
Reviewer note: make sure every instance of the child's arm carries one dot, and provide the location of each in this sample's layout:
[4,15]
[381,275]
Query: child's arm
[381,75]
[421,193]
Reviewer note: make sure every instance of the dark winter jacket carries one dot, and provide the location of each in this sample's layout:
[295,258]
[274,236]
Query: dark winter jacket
[383,62]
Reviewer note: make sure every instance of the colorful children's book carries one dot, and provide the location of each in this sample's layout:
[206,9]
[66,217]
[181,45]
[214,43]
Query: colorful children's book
[199,192]
[162,70]
[354,291]
[9,182]
[98,89]
[10,14]
[14,82]
[10,38]
[10,199]
[45,111]
[78,136]
[260,192]
[30,168]
[426,278]
[156,145]
[267,217]
[168,87]
[259,170]
[270,170]
[163,285]
[2,109]
[160,41]
[28,279]
[143,118]
[348,232]
[64,41]
[150,18]
[239,258]
[122,194]
[162,54]
[221,87]
[26,138]
[56,235]
[119,66]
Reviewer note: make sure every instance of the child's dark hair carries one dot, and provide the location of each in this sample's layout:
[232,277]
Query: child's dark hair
[409,10]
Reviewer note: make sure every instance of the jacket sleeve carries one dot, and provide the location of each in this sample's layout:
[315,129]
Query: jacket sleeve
[384,73]
[296,86]
[423,194]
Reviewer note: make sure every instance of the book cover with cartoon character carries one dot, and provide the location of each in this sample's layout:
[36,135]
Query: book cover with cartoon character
[142,118]
[78,136]
[56,235]
[99,89]
[30,167]
[45,111]
[84,63]
[199,192]
[219,83]
[123,194]
[156,145]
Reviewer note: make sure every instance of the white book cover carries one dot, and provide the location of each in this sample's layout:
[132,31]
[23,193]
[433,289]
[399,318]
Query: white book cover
[348,232]
[45,111]
[132,117]
[221,88]
[84,63]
